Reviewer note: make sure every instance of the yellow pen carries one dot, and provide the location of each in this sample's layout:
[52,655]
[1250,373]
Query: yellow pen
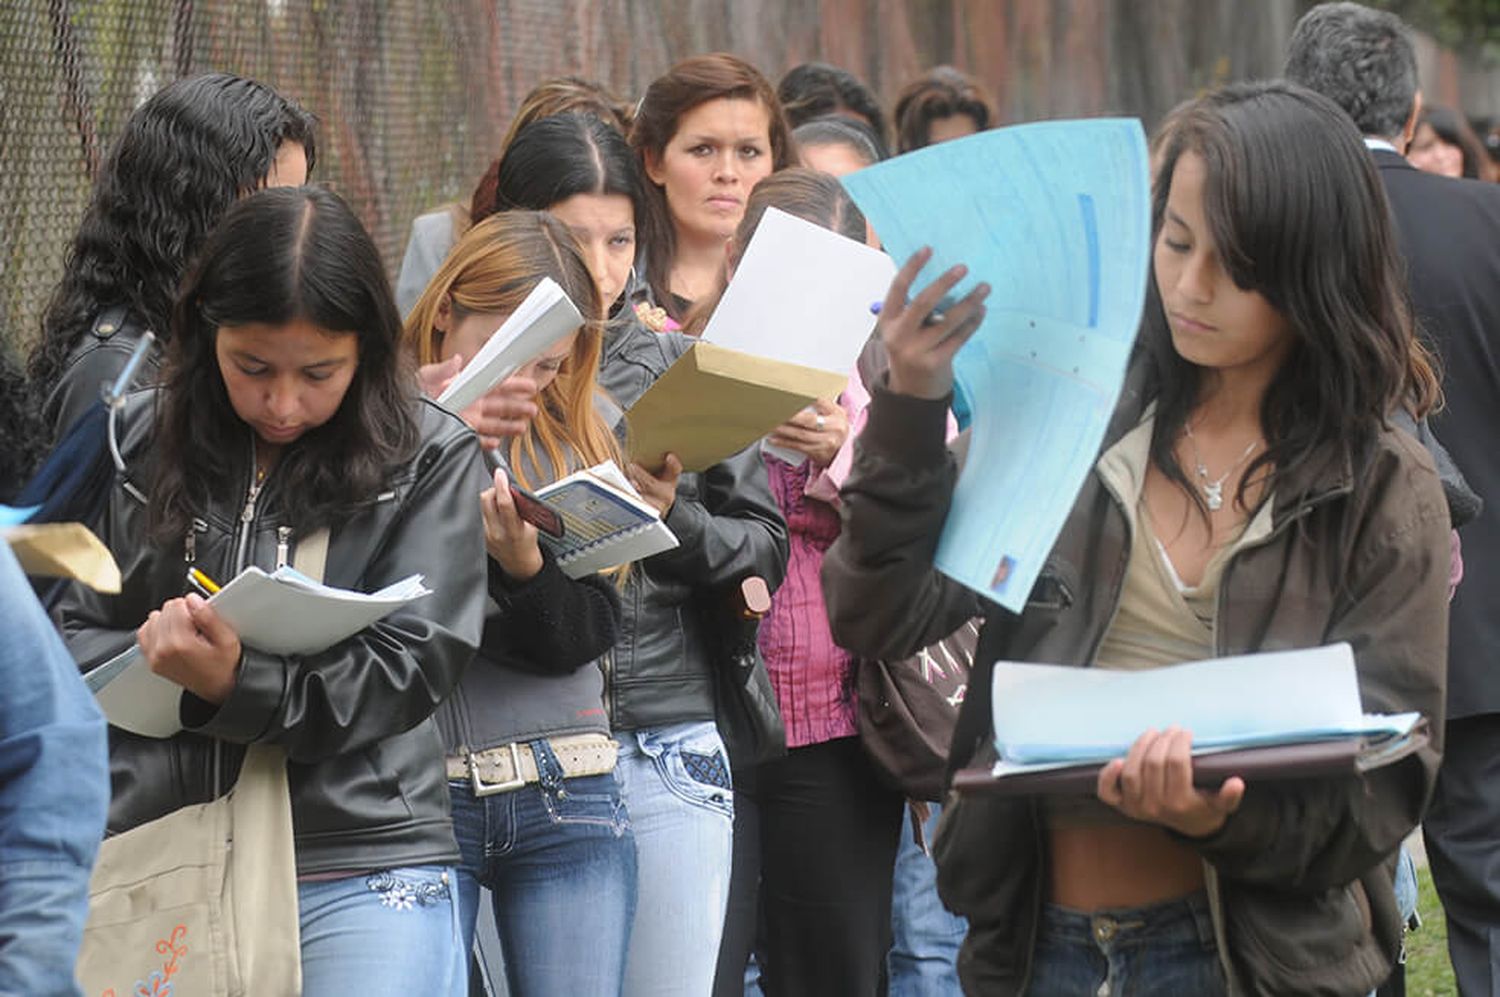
[204,584]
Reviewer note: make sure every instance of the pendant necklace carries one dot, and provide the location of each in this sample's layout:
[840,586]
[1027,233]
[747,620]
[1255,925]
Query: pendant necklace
[1213,491]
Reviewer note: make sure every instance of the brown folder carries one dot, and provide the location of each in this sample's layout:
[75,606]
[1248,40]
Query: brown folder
[1307,760]
[714,402]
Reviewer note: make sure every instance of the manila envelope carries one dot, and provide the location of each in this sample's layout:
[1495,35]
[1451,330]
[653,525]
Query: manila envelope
[714,402]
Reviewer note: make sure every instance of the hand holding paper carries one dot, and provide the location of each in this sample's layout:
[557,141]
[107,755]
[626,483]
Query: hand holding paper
[921,353]
[186,642]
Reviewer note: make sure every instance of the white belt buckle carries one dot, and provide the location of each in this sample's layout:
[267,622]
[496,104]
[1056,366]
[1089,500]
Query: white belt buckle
[482,788]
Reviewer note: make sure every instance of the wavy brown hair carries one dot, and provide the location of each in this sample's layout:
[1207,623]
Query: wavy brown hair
[491,271]
[1298,215]
[685,86]
[940,93]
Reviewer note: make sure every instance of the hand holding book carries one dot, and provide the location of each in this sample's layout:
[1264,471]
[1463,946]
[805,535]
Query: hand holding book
[187,642]
[1154,783]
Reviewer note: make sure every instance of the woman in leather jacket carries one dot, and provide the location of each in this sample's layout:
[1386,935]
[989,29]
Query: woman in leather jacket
[183,157]
[660,676]
[286,411]
[1252,494]
[537,809]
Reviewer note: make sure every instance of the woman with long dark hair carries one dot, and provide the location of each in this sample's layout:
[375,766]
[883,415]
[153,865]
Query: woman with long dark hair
[287,410]
[1251,495]
[531,766]
[706,132]
[184,156]
[659,676]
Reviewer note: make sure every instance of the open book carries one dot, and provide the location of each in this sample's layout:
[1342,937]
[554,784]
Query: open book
[1284,714]
[546,316]
[284,612]
[605,522]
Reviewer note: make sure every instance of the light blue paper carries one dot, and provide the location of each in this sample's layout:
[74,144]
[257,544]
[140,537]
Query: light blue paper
[1055,216]
[13,516]
[1051,714]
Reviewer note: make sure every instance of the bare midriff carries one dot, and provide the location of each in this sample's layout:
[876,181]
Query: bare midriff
[1094,868]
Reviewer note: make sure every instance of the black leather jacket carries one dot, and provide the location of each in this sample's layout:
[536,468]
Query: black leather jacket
[365,761]
[662,669]
[95,361]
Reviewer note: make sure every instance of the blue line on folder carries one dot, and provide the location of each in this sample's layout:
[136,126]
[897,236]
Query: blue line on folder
[1091,235]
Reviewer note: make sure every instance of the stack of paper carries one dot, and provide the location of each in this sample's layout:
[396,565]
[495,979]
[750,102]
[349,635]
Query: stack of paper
[281,613]
[787,332]
[546,316]
[1049,717]
[605,522]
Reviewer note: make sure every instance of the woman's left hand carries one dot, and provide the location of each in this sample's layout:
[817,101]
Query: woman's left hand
[1154,783]
[510,540]
[817,432]
[187,642]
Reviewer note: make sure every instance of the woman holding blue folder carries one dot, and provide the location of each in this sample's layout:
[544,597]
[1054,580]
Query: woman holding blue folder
[1251,495]
[288,415]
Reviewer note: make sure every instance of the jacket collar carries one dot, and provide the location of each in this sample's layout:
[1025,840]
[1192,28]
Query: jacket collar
[1387,159]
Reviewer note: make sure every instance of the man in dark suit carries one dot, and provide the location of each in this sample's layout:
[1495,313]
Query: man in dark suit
[1450,235]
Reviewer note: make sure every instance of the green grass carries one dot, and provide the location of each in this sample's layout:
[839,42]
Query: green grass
[1428,973]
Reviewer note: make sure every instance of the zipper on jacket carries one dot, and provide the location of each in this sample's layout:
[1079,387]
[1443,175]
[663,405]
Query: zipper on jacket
[1119,579]
[283,540]
[607,665]
[190,542]
[247,519]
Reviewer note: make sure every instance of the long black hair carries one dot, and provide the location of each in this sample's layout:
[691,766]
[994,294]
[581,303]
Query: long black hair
[278,256]
[183,157]
[1298,215]
[553,159]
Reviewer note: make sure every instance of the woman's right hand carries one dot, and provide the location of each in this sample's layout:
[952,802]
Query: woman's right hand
[921,354]
[505,410]
[510,540]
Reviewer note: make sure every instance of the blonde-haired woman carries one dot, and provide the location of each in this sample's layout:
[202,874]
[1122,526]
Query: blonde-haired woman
[537,810]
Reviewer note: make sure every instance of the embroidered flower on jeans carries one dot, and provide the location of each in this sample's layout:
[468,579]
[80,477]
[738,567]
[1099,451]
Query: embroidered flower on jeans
[404,894]
[155,985]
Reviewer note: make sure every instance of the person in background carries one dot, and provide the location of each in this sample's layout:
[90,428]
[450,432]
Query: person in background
[537,809]
[835,145]
[287,409]
[942,104]
[182,159]
[817,90]
[924,936]
[1447,239]
[659,677]
[705,133]
[20,426]
[54,793]
[434,233]
[1238,505]
[820,825]
[1444,144]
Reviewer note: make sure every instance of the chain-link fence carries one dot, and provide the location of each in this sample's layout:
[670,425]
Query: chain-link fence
[412,95]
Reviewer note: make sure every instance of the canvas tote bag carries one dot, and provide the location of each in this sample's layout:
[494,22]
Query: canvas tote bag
[203,901]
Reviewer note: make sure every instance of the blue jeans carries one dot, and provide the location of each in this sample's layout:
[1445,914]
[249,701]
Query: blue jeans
[391,933]
[559,861]
[677,788]
[925,937]
[1164,949]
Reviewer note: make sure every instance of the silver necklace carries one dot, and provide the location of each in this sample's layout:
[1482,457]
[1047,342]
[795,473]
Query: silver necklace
[1213,491]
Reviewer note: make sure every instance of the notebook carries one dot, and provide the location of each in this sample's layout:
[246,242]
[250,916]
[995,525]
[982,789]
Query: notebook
[284,612]
[605,522]
[1303,760]
[1278,714]
[546,316]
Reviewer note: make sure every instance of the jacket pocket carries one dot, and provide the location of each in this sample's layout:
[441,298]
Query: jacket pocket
[1284,942]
